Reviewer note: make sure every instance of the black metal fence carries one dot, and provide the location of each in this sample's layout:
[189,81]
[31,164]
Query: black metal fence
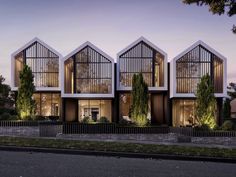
[52,128]
[79,128]
[188,131]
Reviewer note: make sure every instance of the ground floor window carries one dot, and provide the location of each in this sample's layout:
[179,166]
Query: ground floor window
[47,104]
[183,113]
[95,109]
[125,102]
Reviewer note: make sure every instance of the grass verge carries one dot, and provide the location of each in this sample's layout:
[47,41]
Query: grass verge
[118,147]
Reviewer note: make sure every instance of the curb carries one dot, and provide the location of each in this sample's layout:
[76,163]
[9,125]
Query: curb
[118,154]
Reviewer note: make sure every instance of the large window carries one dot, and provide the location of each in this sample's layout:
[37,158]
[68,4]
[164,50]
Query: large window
[195,64]
[142,59]
[88,72]
[183,113]
[125,102]
[95,109]
[43,63]
[47,104]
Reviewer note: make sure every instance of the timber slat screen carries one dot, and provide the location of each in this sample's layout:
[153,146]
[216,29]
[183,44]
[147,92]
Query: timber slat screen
[142,58]
[43,63]
[92,72]
[195,64]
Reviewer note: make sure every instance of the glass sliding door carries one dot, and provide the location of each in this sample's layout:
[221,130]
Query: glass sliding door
[95,109]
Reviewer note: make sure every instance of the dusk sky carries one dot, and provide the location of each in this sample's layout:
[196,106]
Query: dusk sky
[111,25]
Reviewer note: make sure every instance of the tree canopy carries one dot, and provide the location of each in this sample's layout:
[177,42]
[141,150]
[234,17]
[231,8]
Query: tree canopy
[217,7]
[5,94]
[139,108]
[25,103]
[205,102]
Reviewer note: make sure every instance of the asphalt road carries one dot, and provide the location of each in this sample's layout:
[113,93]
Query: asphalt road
[26,164]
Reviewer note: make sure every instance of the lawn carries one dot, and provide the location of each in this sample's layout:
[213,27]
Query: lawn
[117,147]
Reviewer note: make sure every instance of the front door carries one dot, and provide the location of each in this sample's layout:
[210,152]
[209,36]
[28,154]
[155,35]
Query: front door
[157,117]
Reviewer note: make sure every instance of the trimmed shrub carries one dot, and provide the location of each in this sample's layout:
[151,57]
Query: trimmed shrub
[141,120]
[6,110]
[103,119]
[227,125]
[5,116]
[87,120]
[203,127]
[14,117]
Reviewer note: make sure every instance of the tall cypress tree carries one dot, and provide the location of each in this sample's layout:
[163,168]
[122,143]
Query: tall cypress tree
[206,102]
[139,108]
[25,103]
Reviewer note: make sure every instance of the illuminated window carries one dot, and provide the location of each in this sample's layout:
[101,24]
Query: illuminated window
[142,59]
[195,64]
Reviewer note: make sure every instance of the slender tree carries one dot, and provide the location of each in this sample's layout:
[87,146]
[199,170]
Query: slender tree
[205,102]
[139,108]
[25,103]
[217,7]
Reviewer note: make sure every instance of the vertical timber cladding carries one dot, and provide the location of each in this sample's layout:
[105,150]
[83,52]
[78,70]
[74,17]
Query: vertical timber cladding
[159,103]
[71,110]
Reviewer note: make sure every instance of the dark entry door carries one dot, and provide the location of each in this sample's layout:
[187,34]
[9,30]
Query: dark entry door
[157,109]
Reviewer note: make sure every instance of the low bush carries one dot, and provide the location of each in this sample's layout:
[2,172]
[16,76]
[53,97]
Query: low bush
[203,127]
[141,120]
[87,120]
[5,116]
[14,117]
[227,125]
[103,119]
[6,110]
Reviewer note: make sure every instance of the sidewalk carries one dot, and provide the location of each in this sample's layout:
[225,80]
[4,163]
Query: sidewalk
[76,137]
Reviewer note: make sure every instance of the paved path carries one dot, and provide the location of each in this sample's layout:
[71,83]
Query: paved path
[26,164]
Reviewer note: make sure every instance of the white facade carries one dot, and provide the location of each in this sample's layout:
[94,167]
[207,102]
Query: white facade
[13,87]
[122,88]
[86,95]
[173,86]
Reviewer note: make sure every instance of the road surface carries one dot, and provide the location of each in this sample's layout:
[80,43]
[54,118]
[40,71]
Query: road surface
[27,164]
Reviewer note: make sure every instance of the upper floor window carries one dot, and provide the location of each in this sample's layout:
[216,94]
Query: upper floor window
[43,63]
[88,71]
[195,64]
[141,58]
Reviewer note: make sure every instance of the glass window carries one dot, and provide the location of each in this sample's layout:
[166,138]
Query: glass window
[47,104]
[18,68]
[183,113]
[44,65]
[195,64]
[142,59]
[93,72]
[125,106]
[95,109]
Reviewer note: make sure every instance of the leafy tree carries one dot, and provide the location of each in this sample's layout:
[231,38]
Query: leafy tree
[232,90]
[227,109]
[205,102]
[139,108]
[25,103]
[5,94]
[217,7]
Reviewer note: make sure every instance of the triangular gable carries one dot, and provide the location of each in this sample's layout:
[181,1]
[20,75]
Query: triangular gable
[81,47]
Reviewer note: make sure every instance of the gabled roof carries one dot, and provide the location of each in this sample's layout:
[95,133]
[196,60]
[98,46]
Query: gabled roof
[90,45]
[39,41]
[195,45]
[144,40]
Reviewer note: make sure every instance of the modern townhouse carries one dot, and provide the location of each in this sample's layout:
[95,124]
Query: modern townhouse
[88,83]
